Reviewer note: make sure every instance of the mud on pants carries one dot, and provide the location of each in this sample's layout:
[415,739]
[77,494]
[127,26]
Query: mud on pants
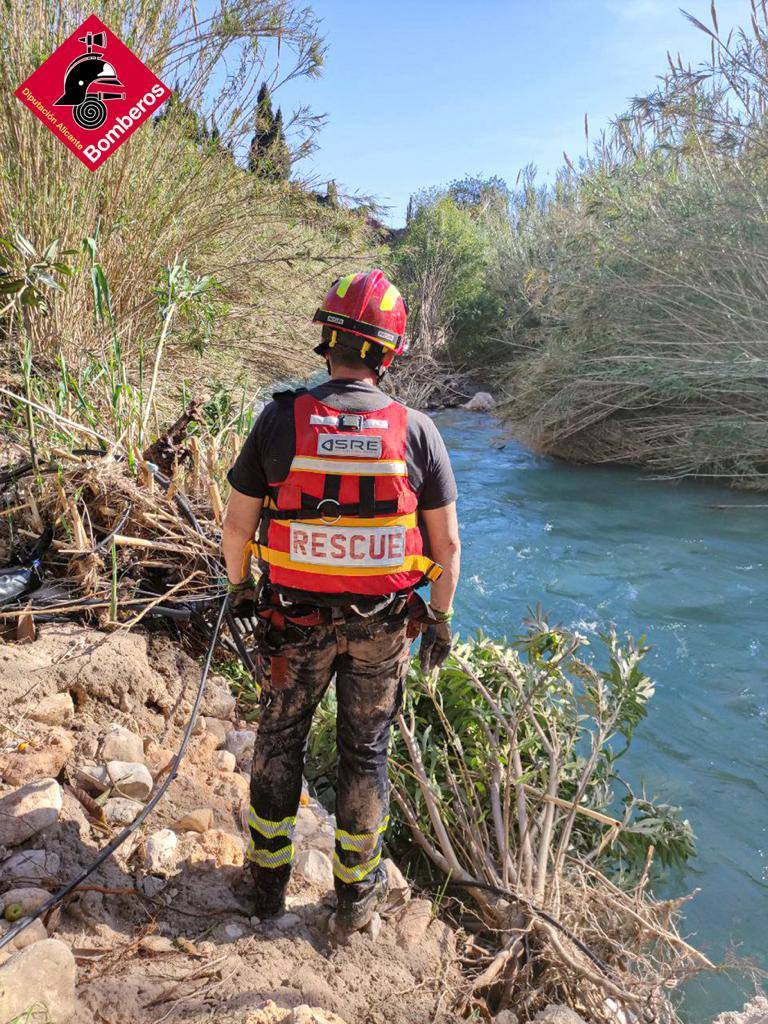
[369,657]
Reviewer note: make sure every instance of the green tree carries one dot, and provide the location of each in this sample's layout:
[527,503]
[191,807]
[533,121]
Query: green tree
[269,155]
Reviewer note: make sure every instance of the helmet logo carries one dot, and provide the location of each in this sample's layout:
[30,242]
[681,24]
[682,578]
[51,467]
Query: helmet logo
[92,92]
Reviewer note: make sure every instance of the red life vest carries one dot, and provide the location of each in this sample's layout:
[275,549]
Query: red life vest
[344,520]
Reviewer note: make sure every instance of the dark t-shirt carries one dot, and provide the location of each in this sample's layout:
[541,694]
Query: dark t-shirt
[271,445]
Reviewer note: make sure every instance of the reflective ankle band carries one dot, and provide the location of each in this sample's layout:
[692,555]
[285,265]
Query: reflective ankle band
[272,829]
[270,858]
[360,841]
[357,872]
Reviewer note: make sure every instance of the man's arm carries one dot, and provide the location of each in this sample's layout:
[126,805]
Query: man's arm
[442,528]
[240,521]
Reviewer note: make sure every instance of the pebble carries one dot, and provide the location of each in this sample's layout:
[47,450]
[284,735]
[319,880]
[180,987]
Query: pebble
[315,867]
[158,852]
[506,1017]
[226,761]
[558,1015]
[28,810]
[152,886]
[157,944]
[241,742]
[120,810]
[234,931]
[121,744]
[40,974]
[196,821]
[56,710]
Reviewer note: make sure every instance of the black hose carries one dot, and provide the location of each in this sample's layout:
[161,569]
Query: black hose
[49,904]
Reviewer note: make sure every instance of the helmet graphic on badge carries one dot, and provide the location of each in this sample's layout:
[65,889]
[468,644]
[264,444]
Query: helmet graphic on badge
[85,81]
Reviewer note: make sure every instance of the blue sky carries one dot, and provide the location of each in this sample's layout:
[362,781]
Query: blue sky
[419,93]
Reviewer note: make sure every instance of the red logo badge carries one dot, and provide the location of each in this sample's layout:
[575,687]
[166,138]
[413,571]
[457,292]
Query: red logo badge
[93,93]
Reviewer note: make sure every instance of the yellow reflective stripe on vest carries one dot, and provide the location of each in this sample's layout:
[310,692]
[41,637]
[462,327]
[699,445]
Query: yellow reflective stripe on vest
[411,563]
[349,467]
[270,858]
[357,872]
[360,840]
[272,829]
[409,521]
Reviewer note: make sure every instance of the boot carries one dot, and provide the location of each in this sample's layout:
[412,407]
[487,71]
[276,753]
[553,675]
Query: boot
[269,887]
[356,906]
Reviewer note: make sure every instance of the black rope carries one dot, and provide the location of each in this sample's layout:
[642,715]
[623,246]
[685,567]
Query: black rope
[57,898]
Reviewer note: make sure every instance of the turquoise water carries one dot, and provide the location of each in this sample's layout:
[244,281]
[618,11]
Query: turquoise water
[602,545]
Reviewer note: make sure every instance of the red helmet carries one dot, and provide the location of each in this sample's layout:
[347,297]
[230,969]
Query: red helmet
[370,307]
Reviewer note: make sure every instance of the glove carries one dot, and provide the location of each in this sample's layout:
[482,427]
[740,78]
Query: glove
[242,604]
[435,643]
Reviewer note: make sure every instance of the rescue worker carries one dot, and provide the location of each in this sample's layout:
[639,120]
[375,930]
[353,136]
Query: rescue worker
[354,500]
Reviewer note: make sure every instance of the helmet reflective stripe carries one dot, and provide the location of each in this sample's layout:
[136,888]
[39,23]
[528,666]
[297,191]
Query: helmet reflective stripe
[391,295]
[344,284]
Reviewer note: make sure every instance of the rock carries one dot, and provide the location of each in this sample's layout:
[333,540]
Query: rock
[157,758]
[315,867]
[312,1015]
[33,933]
[306,823]
[754,1012]
[28,810]
[480,402]
[226,761]
[412,924]
[92,777]
[217,728]
[241,742]
[121,744]
[234,931]
[214,848]
[286,921]
[158,852]
[28,899]
[157,944]
[505,1017]
[31,866]
[396,880]
[374,926]
[119,810]
[42,974]
[196,821]
[152,886]
[218,702]
[55,710]
[43,758]
[126,778]
[558,1015]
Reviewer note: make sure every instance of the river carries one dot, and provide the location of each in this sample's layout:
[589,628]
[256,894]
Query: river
[603,545]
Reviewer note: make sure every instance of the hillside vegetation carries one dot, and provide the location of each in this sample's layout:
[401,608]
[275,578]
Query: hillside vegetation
[190,255]
[622,311]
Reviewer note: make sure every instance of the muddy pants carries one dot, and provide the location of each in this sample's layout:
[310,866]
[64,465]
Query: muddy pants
[369,660]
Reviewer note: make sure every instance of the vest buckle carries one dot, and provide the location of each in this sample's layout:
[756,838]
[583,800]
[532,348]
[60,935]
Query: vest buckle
[329,517]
